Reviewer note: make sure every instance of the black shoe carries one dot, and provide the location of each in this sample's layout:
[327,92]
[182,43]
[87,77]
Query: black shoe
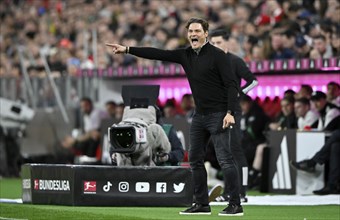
[197,209]
[326,191]
[305,165]
[232,210]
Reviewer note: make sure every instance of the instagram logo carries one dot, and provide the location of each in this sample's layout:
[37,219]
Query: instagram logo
[123,186]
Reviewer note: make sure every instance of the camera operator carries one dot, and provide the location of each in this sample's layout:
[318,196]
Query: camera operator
[141,138]
[176,155]
[138,140]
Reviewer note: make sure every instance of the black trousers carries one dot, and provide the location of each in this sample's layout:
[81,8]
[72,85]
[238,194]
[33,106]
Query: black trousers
[202,128]
[239,157]
[330,153]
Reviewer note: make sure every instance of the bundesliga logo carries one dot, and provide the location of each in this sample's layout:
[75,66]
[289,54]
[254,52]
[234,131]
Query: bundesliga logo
[90,187]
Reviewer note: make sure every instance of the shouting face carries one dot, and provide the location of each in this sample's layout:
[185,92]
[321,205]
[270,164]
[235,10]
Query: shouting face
[196,35]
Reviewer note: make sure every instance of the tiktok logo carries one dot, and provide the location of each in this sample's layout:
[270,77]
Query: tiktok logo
[107,187]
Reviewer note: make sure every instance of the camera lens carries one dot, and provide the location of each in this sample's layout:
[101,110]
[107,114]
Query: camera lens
[123,137]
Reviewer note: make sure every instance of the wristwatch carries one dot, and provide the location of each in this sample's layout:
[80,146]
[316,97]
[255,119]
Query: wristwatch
[230,112]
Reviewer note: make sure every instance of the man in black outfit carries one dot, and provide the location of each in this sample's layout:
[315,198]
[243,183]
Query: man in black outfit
[215,90]
[219,38]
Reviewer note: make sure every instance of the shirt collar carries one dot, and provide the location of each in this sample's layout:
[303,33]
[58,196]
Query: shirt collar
[198,50]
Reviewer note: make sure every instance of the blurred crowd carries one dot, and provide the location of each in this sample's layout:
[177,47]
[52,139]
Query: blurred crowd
[72,34]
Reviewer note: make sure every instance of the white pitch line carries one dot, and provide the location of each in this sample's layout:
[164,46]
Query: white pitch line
[13,218]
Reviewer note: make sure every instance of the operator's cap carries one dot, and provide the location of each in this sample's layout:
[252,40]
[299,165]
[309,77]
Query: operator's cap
[318,95]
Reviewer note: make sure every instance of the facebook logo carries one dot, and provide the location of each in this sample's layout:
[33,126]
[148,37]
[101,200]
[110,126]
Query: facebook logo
[160,187]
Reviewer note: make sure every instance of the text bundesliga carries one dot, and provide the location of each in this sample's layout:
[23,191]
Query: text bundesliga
[54,185]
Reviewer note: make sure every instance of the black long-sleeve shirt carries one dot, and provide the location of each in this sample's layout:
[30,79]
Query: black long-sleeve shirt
[242,72]
[213,82]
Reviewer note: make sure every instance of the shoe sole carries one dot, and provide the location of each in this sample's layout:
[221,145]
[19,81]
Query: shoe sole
[195,213]
[237,214]
[215,192]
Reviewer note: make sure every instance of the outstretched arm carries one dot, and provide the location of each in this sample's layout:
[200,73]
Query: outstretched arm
[149,52]
[118,49]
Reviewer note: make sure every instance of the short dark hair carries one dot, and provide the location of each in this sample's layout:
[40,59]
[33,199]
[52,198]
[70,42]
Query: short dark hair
[86,99]
[303,101]
[308,88]
[204,23]
[289,99]
[318,95]
[220,32]
[332,83]
[187,95]
[111,103]
[288,33]
[289,91]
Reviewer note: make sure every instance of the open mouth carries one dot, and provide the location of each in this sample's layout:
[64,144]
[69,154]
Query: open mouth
[193,40]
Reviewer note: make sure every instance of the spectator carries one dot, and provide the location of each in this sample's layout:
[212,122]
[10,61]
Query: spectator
[335,42]
[235,47]
[257,53]
[110,107]
[306,117]
[287,119]
[322,47]
[302,47]
[277,49]
[289,93]
[288,40]
[329,113]
[333,93]
[169,109]
[87,142]
[188,106]
[248,46]
[304,92]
